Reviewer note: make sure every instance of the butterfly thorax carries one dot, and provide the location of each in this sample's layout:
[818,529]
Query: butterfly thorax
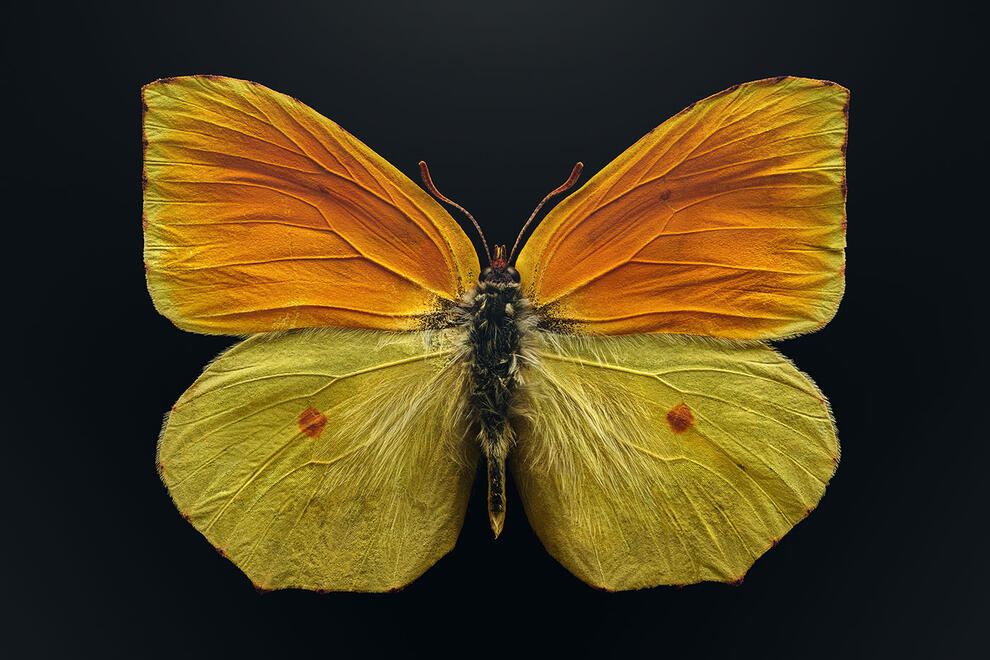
[497,319]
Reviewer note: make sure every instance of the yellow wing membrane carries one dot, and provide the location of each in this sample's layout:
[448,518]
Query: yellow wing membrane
[727,220]
[326,459]
[260,215]
[667,459]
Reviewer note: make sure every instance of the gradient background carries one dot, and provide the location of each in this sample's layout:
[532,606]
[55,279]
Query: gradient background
[501,102]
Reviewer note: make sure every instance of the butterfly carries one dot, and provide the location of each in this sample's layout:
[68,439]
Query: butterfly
[616,371]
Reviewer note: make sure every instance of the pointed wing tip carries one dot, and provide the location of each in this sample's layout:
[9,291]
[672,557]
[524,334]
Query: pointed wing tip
[159,84]
[803,80]
[168,80]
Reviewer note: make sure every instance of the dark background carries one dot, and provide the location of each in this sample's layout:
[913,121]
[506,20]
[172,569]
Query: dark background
[501,102]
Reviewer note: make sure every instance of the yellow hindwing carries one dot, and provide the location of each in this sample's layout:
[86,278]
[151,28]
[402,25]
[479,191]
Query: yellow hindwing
[324,459]
[666,459]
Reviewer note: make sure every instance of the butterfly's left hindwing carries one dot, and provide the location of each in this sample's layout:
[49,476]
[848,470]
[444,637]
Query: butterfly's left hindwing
[664,459]
[324,459]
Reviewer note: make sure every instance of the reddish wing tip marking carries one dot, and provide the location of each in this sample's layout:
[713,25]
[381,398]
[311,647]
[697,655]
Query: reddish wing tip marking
[680,418]
[312,422]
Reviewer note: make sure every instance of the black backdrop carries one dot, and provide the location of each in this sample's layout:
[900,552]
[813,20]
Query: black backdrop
[501,102]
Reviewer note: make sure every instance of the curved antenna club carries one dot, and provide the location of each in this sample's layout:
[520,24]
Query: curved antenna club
[567,185]
[425,173]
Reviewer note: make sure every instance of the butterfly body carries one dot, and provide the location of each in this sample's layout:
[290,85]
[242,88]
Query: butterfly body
[498,327]
[616,371]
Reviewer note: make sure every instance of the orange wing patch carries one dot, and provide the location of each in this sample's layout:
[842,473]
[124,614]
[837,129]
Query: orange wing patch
[727,220]
[680,418]
[260,215]
[312,422]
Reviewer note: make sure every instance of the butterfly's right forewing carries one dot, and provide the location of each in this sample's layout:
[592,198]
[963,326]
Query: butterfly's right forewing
[726,220]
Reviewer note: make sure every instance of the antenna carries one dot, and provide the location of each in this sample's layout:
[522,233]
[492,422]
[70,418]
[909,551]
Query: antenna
[425,172]
[567,185]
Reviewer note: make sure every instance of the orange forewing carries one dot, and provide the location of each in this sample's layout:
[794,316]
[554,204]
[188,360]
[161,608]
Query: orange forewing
[727,220]
[260,215]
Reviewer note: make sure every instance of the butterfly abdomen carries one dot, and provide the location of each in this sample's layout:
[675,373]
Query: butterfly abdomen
[497,318]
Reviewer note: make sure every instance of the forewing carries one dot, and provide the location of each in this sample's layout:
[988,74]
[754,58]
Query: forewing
[727,220]
[260,215]
[324,459]
[662,459]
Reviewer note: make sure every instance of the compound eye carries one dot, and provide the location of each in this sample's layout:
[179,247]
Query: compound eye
[486,274]
[513,273]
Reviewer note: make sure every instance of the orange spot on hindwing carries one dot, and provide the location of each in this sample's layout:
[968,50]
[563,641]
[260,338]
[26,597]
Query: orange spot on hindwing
[312,422]
[680,418]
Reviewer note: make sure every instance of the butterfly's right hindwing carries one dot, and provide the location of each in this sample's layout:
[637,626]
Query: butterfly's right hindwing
[324,459]
[665,459]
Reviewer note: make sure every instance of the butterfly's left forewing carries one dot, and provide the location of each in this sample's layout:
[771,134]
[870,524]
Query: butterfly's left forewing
[324,459]
[260,214]
[664,459]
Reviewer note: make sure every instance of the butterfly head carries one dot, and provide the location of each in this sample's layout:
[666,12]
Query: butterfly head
[500,271]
